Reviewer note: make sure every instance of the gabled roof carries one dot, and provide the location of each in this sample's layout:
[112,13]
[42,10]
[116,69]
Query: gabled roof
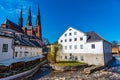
[8,22]
[92,36]
[71,28]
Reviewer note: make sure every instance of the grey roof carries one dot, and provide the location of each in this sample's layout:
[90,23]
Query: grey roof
[26,41]
[92,36]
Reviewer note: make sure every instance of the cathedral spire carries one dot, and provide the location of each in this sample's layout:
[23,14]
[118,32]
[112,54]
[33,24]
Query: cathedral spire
[38,17]
[29,22]
[38,30]
[20,22]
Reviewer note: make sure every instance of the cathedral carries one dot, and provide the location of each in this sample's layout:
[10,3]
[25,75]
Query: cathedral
[29,29]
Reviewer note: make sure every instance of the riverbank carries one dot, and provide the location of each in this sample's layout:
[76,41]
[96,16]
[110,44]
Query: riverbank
[78,75]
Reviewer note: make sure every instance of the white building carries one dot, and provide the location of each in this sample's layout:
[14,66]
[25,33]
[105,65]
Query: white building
[88,47]
[15,47]
[25,46]
[6,47]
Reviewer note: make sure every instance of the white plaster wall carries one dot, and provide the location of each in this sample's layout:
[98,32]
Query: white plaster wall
[98,47]
[86,46]
[73,43]
[32,51]
[9,54]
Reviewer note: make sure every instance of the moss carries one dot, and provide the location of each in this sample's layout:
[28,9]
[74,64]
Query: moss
[69,63]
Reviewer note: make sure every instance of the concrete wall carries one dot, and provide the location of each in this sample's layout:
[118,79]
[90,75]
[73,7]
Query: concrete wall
[96,59]
[107,52]
[31,51]
[9,53]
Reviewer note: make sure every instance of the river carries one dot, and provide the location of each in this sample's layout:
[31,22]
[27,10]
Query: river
[46,69]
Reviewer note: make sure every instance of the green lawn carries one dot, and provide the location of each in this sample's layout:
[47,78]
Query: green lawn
[69,63]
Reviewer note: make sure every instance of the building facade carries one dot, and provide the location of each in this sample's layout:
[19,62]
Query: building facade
[87,47]
[6,47]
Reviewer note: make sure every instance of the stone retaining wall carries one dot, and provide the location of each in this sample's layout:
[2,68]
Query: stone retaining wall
[67,68]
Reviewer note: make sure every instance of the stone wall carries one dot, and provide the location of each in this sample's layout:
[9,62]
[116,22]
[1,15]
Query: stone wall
[91,59]
[68,68]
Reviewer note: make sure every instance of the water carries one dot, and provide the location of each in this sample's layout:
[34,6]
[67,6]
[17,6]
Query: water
[43,71]
[115,65]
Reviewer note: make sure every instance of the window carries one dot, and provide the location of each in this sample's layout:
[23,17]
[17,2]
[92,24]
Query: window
[60,57]
[65,47]
[65,57]
[25,53]
[70,29]
[82,58]
[76,58]
[5,48]
[65,34]
[65,40]
[70,34]
[20,55]
[16,53]
[75,46]
[37,53]
[75,33]
[70,40]
[81,46]
[61,41]
[81,38]
[75,39]
[70,47]
[93,46]
[70,54]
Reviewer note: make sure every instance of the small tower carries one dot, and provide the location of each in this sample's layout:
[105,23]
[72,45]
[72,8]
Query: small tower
[37,28]
[20,21]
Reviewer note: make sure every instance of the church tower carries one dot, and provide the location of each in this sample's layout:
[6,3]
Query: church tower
[29,28]
[20,21]
[37,28]
[29,22]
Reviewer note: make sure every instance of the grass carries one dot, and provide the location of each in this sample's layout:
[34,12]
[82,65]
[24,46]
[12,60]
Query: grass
[69,63]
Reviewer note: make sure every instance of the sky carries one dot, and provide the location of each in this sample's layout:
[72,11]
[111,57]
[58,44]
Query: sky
[101,16]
